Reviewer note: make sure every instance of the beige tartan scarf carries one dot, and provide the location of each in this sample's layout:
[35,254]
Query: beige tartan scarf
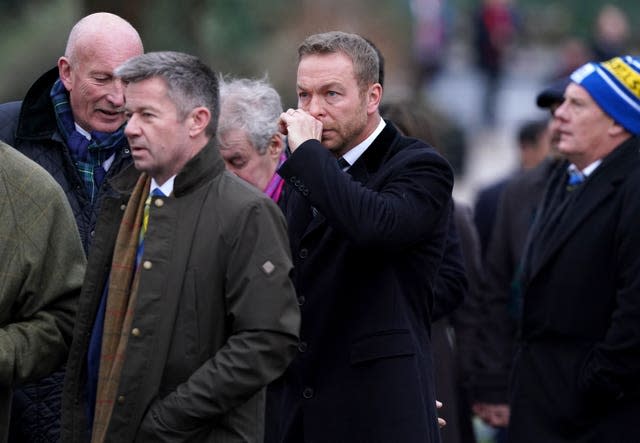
[121,302]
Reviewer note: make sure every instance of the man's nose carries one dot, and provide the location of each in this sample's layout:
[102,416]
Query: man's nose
[561,111]
[315,106]
[116,94]
[132,128]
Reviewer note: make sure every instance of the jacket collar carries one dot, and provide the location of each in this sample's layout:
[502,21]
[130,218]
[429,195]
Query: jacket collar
[594,191]
[37,117]
[382,147]
[200,169]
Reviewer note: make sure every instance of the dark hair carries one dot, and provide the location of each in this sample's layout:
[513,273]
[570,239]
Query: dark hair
[530,131]
[190,83]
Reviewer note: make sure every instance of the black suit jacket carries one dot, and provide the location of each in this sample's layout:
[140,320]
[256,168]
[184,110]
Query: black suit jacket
[497,321]
[484,212]
[364,270]
[576,375]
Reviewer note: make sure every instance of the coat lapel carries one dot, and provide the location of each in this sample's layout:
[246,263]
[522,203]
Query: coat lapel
[362,170]
[593,193]
[578,209]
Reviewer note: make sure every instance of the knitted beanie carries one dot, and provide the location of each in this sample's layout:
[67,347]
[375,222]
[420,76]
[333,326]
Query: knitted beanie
[615,87]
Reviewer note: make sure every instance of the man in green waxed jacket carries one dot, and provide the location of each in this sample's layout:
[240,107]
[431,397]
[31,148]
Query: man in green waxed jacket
[41,269]
[187,311]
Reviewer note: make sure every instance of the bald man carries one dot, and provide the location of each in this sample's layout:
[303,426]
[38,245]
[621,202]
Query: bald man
[71,123]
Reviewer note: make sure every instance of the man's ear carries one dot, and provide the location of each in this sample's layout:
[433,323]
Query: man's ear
[276,145]
[65,72]
[374,97]
[200,118]
[616,129]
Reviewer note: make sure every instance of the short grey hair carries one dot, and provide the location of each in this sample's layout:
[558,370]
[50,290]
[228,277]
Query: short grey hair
[362,54]
[190,82]
[252,106]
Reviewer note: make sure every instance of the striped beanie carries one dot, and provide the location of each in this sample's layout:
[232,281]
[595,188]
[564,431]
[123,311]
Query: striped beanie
[615,86]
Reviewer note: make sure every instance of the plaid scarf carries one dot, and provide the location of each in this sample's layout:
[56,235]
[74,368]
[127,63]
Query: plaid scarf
[88,155]
[121,302]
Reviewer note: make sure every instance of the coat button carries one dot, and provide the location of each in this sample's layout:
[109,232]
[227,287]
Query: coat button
[147,264]
[135,332]
[303,253]
[307,392]
[301,300]
[121,399]
[123,207]
[159,202]
[92,234]
[302,346]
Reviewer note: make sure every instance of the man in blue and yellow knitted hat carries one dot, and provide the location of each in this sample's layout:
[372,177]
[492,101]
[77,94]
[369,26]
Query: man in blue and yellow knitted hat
[576,375]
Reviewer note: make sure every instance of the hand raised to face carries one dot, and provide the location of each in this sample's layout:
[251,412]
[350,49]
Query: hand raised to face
[299,126]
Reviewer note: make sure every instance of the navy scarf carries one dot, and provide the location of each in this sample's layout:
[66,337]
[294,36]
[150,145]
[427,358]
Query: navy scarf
[88,155]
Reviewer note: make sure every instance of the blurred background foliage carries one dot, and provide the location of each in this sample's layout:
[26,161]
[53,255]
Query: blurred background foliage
[259,37]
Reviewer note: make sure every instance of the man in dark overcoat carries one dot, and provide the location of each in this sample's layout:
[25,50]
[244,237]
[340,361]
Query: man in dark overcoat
[576,372]
[187,311]
[367,216]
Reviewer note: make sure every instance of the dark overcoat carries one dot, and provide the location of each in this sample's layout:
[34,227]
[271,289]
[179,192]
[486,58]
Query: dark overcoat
[30,126]
[364,269]
[576,375]
[216,317]
[496,324]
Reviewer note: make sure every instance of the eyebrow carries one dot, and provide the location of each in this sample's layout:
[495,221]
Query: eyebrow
[101,72]
[330,85]
[141,109]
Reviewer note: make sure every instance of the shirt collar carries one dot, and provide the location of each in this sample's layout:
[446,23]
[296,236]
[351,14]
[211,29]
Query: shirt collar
[166,188]
[81,130]
[586,171]
[354,153]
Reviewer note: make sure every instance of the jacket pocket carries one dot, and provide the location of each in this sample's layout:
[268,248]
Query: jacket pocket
[383,344]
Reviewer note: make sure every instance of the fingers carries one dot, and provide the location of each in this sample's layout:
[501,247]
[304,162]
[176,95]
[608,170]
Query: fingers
[492,414]
[285,120]
[282,124]
[299,126]
[441,421]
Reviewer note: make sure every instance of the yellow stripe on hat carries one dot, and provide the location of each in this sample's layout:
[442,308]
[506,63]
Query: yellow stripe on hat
[625,74]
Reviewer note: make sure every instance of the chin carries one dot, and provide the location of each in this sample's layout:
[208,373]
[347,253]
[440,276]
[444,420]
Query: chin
[107,127]
[566,150]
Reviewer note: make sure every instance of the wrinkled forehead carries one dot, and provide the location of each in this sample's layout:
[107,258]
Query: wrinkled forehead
[234,139]
[105,50]
[325,69]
